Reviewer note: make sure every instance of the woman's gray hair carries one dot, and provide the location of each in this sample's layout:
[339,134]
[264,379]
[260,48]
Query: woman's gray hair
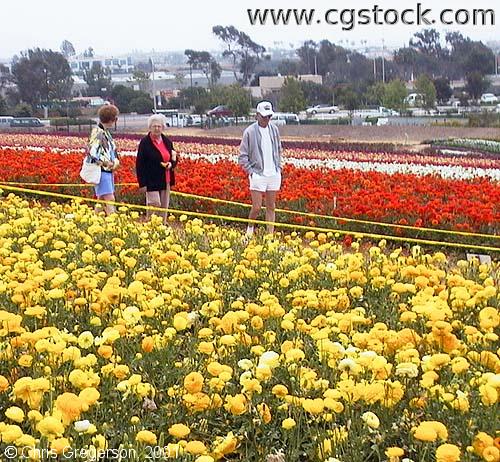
[157,118]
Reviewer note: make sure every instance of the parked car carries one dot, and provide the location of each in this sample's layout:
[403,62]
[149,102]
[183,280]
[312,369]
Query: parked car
[26,122]
[322,109]
[220,111]
[193,120]
[497,109]
[488,98]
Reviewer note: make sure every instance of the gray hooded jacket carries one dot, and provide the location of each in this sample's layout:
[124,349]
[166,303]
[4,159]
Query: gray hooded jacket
[251,157]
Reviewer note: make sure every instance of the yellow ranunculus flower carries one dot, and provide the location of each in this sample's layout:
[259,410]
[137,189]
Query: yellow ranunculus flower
[370,419]
[179,431]
[15,413]
[447,453]
[146,437]
[288,423]
[195,447]
[193,382]
[58,445]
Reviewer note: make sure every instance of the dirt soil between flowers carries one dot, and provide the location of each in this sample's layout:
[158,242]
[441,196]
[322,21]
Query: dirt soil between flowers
[409,136]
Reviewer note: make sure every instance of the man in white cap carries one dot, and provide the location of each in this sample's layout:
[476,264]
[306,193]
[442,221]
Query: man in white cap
[260,157]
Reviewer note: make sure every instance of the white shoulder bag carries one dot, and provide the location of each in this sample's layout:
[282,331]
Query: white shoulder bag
[90,172]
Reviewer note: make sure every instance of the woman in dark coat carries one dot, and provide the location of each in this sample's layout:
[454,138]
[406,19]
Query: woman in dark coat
[155,164]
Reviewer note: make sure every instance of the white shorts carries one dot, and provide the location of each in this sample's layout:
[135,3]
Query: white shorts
[265,183]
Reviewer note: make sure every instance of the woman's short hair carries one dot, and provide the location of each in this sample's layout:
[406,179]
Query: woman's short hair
[108,113]
[157,118]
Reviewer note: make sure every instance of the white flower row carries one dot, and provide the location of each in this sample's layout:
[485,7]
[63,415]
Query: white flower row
[448,172]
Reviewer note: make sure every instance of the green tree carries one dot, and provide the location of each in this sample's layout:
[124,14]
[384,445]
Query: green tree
[142,79]
[394,95]
[308,54]
[205,62]
[5,76]
[476,84]
[443,89]
[376,93]
[238,100]
[122,96]
[428,43]
[426,88]
[141,104]
[42,75]
[242,50]
[348,97]
[3,106]
[291,96]
[196,97]
[23,110]
[98,80]
[67,49]
[288,67]
[314,93]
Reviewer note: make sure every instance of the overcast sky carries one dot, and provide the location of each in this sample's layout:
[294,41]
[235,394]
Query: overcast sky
[113,27]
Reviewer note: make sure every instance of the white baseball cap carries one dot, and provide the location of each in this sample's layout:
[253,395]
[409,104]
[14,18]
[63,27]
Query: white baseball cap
[265,109]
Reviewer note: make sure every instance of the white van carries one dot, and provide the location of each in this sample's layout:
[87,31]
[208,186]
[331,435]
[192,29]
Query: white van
[414,99]
[283,118]
[5,121]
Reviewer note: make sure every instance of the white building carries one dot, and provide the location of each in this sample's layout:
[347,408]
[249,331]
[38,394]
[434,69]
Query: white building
[117,64]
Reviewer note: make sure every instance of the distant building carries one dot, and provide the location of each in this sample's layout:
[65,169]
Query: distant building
[117,65]
[272,84]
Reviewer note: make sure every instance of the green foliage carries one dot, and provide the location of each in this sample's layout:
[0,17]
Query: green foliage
[67,49]
[205,62]
[476,84]
[348,97]
[141,104]
[443,89]
[314,93]
[376,93]
[426,88]
[98,79]
[130,100]
[484,119]
[291,96]
[42,75]
[196,97]
[241,49]
[3,106]
[23,110]
[394,95]
[238,100]
[70,121]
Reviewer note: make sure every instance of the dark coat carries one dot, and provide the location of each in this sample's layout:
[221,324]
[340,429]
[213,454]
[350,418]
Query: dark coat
[148,167]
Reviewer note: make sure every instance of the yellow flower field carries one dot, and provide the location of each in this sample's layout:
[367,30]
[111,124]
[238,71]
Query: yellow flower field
[146,342]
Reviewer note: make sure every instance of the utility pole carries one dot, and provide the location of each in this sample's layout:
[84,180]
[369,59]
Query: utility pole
[383,60]
[154,83]
[375,69]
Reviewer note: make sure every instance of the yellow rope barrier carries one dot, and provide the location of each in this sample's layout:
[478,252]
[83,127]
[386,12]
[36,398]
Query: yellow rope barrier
[246,220]
[287,211]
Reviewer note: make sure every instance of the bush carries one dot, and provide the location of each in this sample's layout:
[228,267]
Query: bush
[141,105]
[484,119]
[341,121]
[23,110]
[65,121]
